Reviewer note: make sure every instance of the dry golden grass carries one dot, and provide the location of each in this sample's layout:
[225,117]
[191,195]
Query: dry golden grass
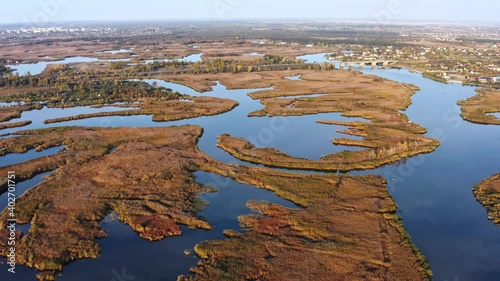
[477,108]
[347,228]
[170,110]
[60,49]
[14,124]
[488,193]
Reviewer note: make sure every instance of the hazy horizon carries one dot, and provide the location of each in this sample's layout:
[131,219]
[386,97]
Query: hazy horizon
[40,12]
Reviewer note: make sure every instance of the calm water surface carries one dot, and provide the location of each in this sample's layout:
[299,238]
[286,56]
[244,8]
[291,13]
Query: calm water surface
[37,68]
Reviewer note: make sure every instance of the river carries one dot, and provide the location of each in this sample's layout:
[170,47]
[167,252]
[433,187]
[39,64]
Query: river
[37,68]
[433,191]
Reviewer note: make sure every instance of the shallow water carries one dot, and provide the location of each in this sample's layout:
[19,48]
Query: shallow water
[114,52]
[433,191]
[315,58]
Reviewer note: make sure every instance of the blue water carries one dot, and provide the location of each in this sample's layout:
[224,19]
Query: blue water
[315,58]
[21,188]
[294,78]
[255,54]
[433,191]
[191,58]
[39,116]
[303,96]
[12,159]
[114,52]
[11,103]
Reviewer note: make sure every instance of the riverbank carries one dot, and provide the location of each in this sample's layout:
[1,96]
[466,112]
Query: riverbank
[477,109]
[488,193]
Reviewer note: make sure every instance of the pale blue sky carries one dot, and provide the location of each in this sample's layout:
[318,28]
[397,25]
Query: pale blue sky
[41,11]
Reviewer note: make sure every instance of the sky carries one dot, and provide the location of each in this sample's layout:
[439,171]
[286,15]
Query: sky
[39,12]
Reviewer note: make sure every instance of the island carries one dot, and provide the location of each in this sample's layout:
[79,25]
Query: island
[478,108]
[488,193]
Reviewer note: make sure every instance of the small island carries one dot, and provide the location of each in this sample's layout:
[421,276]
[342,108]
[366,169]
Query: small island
[488,193]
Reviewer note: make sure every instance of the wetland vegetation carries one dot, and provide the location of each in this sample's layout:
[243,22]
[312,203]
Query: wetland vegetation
[346,226]
[389,135]
[488,193]
[144,175]
[478,109]
[322,241]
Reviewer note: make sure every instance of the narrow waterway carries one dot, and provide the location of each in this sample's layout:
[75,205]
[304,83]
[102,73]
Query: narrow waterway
[433,191]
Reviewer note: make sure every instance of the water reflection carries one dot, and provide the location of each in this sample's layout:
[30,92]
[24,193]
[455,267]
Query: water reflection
[165,260]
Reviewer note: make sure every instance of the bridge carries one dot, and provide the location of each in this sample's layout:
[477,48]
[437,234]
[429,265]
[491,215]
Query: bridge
[362,64]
